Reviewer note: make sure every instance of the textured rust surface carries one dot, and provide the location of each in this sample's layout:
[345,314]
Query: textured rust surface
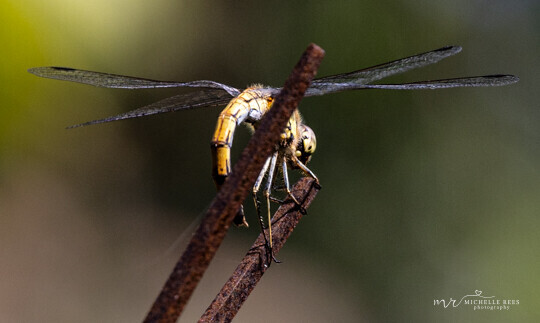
[211,232]
[256,262]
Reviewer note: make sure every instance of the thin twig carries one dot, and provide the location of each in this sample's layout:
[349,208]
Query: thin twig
[211,232]
[250,270]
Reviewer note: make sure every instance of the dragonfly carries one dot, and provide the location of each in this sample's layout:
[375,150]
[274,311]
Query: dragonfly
[297,141]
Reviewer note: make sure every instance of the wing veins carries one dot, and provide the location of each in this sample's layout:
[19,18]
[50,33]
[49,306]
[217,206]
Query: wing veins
[473,81]
[341,82]
[121,81]
[185,101]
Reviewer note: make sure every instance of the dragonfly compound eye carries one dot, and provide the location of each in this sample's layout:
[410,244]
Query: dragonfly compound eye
[306,145]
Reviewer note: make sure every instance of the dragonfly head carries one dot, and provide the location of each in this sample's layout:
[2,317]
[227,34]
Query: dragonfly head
[306,144]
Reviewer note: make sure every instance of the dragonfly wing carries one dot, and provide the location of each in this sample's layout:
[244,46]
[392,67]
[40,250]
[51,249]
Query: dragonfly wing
[354,80]
[473,81]
[120,81]
[191,100]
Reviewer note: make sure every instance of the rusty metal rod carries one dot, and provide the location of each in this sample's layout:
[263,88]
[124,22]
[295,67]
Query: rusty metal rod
[189,269]
[255,263]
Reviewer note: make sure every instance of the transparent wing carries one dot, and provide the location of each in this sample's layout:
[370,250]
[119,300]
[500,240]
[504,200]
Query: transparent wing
[355,80]
[121,81]
[199,99]
[473,81]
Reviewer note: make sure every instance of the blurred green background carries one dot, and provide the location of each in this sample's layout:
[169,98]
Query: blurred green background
[426,194]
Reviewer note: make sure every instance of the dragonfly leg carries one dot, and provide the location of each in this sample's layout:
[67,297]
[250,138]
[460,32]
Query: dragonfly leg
[306,170]
[256,188]
[276,200]
[266,193]
[288,188]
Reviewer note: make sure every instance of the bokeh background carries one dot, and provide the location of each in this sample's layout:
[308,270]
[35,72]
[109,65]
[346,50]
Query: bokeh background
[426,194]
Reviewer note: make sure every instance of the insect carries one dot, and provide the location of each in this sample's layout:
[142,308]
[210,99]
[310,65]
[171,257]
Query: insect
[297,142]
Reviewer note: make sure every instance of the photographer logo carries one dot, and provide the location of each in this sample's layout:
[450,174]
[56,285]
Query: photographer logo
[478,302]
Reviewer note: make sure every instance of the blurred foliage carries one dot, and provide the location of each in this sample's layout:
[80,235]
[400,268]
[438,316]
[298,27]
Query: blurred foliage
[426,195]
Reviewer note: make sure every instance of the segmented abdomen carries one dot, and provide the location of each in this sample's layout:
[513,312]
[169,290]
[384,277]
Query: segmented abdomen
[249,106]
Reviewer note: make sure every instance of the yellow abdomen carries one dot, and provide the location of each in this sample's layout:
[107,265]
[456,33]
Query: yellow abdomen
[249,106]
